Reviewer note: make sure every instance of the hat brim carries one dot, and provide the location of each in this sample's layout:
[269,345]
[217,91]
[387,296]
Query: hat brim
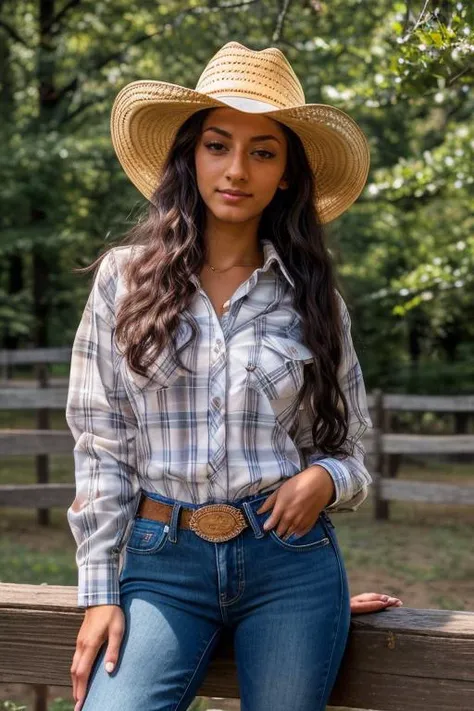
[146,116]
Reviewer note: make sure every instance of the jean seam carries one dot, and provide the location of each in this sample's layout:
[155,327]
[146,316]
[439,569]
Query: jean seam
[301,548]
[196,669]
[240,558]
[338,622]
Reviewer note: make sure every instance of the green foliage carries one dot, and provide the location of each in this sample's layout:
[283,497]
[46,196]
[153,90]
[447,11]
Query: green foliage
[403,70]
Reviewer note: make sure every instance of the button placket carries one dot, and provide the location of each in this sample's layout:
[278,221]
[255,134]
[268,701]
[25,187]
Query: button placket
[217,403]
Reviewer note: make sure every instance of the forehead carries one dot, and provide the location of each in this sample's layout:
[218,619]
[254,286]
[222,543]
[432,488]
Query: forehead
[241,123]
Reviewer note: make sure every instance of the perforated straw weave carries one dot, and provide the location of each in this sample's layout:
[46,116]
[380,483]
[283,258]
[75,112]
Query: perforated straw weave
[146,116]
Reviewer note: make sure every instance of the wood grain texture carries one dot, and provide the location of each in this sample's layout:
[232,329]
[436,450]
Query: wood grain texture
[397,660]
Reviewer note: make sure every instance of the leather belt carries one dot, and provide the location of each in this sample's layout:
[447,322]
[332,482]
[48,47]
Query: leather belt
[214,522]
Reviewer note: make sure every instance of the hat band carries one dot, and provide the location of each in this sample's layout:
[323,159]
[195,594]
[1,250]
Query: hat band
[243,104]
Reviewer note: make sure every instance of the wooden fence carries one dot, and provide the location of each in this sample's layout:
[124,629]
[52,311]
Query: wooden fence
[40,359]
[384,448]
[397,660]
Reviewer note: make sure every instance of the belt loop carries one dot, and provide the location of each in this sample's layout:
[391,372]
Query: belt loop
[173,524]
[326,517]
[252,520]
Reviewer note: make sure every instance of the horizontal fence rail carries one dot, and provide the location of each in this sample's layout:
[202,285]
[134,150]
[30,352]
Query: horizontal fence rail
[383,448]
[396,660]
[35,356]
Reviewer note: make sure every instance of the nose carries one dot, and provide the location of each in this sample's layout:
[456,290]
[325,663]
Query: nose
[237,167]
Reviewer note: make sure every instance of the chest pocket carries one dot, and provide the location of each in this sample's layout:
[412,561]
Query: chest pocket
[278,370]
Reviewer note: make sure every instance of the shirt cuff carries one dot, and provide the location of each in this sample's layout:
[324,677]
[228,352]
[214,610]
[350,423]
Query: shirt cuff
[340,476]
[98,584]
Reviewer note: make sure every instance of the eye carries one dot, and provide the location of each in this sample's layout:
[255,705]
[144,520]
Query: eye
[267,155]
[214,144]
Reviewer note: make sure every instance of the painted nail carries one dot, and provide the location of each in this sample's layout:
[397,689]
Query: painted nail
[109,667]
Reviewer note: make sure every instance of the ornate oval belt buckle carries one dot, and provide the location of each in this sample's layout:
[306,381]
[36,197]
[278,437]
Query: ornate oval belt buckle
[217,522]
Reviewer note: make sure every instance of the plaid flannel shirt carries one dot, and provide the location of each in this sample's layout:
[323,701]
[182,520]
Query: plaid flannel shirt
[213,435]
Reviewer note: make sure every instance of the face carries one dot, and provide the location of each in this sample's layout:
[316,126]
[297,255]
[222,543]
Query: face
[239,152]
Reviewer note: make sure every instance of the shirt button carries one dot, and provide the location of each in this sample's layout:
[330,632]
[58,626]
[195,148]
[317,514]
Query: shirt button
[216,401]
[250,367]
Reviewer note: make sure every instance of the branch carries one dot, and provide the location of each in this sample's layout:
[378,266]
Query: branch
[13,33]
[56,20]
[467,68]
[421,17]
[281,20]
[82,107]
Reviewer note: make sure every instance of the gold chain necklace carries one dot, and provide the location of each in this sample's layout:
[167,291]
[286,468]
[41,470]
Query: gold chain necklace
[214,269]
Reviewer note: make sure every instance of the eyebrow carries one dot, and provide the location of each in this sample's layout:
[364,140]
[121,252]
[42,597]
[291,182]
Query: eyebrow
[265,137]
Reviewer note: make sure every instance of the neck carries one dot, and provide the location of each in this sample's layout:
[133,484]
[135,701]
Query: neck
[231,243]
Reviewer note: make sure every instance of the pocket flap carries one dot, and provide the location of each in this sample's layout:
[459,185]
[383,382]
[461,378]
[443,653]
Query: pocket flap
[289,347]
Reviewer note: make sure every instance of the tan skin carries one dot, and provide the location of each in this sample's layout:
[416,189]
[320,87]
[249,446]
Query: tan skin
[230,158]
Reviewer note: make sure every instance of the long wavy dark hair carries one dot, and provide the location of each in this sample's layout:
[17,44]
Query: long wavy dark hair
[172,237]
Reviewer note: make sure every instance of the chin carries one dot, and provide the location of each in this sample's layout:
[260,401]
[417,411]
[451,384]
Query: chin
[232,214]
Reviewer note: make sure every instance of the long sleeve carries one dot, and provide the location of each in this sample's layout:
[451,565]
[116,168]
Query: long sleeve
[103,425]
[349,473]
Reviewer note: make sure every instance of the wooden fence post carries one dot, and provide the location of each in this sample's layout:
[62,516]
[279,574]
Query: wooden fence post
[42,460]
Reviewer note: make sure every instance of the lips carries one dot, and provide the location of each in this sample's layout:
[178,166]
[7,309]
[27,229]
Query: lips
[235,193]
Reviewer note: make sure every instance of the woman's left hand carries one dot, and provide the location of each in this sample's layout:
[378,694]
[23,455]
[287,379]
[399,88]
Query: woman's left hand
[298,502]
[373,602]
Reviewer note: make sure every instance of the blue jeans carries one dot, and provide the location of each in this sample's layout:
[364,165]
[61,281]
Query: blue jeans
[286,602]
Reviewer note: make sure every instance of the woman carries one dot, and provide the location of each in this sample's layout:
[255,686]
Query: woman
[217,401]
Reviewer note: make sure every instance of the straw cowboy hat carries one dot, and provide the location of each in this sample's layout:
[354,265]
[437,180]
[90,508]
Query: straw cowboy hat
[146,116]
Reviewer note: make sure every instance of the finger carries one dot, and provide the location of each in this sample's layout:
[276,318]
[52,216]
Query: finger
[83,671]
[268,503]
[285,527]
[113,648]
[75,662]
[367,597]
[274,517]
[359,608]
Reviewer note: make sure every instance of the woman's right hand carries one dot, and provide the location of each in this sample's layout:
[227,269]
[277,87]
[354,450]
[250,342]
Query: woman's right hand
[101,623]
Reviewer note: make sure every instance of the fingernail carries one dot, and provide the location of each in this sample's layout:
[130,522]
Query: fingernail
[109,667]
[399,603]
[392,599]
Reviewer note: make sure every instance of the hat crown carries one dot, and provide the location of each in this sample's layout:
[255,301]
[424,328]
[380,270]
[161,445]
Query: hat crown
[265,76]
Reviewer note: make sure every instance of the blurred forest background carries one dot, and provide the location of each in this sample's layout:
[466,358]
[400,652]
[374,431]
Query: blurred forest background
[403,70]
[404,251]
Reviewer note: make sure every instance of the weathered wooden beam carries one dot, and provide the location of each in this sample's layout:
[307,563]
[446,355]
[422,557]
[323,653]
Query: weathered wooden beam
[397,660]
[33,442]
[35,496]
[33,398]
[429,403]
[26,356]
[426,492]
[426,444]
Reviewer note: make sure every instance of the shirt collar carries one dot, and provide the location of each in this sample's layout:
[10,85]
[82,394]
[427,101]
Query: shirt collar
[271,255]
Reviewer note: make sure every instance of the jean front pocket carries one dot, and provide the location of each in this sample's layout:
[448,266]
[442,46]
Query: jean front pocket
[147,536]
[316,537]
